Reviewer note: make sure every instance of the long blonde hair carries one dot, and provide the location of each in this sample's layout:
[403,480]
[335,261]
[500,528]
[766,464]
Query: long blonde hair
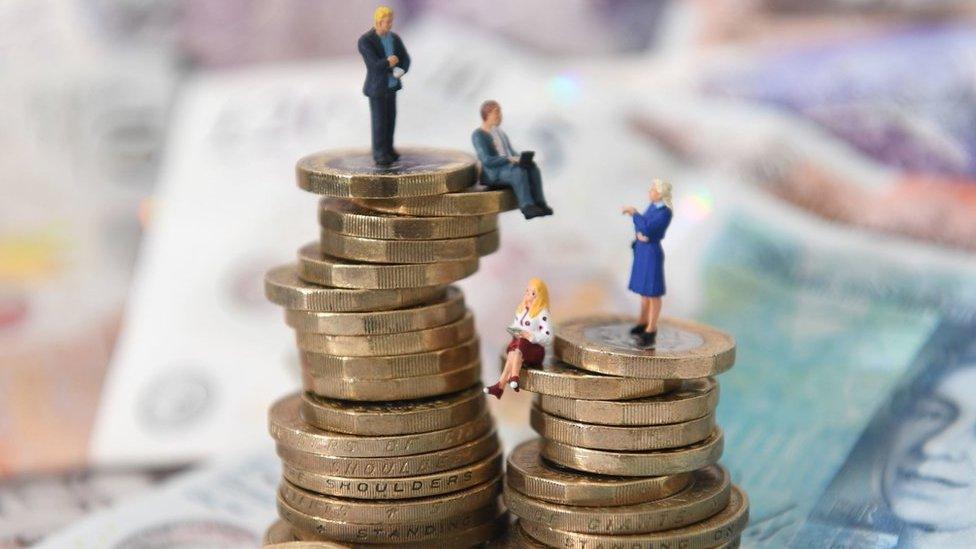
[541,298]
[664,188]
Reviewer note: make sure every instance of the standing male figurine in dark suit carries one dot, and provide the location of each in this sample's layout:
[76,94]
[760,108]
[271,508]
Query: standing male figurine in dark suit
[386,60]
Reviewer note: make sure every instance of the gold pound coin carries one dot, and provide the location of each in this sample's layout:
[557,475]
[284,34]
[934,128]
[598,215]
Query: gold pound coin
[531,475]
[395,417]
[313,528]
[404,388]
[394,488]
[372,250]
[696,398]
[560,379]
[707,494]
[280,535]
[315,268]
[391,366]
[289,429]
[720,530]
[520,540]
[418,172]
[392,466]
[685,349]
[283,287]
[346,217]
[381,511]
[431,339]
[637,464]
[471,201]
[438,312]
[610,437]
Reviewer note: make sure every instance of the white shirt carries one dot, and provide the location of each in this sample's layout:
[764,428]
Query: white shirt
[539,326]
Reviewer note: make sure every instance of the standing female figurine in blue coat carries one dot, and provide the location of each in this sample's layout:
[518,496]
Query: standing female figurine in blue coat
[647,273]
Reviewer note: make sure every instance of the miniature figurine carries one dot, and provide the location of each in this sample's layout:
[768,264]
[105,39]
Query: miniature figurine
[647,273]
[386,61]
[531,331]
[502,166]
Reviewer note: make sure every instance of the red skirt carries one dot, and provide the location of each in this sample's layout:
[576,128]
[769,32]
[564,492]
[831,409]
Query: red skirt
[532,353]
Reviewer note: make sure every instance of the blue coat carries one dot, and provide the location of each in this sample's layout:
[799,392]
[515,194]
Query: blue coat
[495,167]
[647,273]
[378,70]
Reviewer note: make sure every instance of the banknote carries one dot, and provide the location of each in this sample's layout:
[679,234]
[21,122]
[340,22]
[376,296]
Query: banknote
[866,91]
[226,505]
[910,480]
[33,506]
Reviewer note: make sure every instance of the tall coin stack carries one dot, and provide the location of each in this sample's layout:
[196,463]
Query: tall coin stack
[390,442]
[629,449]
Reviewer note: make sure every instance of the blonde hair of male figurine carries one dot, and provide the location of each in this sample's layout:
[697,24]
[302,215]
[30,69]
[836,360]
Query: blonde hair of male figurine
[381,13]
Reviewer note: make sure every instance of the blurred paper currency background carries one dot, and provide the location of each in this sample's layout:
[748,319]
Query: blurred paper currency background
[824,160]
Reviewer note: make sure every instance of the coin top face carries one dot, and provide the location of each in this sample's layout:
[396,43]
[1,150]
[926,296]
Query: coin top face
[684,350]
[418,172]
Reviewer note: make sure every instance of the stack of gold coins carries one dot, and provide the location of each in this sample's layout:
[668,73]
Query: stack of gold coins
[629,447]
[390,442]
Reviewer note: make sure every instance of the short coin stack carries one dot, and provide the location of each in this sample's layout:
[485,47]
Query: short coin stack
[629,449]
[391,442]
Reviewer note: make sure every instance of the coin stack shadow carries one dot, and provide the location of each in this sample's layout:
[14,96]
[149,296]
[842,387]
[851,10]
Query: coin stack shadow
[390,442]
[629,449]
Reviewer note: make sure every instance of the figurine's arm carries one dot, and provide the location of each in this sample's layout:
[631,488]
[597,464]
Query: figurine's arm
[655,227]
[403,55]
[483,151]
[370,57]
[640,224]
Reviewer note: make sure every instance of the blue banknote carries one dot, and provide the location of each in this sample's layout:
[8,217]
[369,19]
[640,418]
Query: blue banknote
[910,481]
[824,334]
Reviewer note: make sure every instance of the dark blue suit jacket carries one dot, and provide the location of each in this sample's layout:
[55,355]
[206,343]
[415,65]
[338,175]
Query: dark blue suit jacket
[378,70]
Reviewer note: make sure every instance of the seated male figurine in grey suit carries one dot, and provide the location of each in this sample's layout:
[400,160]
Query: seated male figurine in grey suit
[500,164]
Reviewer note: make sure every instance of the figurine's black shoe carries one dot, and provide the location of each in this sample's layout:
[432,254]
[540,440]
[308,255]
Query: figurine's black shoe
[383,160]
[646,340]
[532,210]
[638,328]
[546,208]
[394,154]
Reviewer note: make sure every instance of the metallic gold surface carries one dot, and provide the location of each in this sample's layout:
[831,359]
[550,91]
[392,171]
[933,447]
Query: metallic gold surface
[372,250]
[364,511]
[528,473]
[402,343]
[392,366]
[283,287]
[394,488]
[722,529]
[471,201]
[685,349]
[696,398]
[707,494]
[419,172]
[560,379]
[396,417]
[315,268]
[288,429]
[310,527]
[436,312]
[608,437]
[637,464]
[349,218]
[377,390]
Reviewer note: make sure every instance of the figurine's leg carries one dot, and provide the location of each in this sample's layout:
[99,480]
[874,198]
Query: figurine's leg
[655,312]
[520,184]
[535,185]
[376,117]
[509,366]
[391,117]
